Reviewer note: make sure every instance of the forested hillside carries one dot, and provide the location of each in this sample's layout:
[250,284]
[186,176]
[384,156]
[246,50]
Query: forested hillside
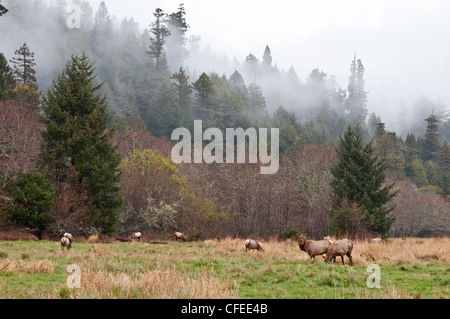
[86,117]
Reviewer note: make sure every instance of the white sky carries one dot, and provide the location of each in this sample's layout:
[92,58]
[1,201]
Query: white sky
[403,44]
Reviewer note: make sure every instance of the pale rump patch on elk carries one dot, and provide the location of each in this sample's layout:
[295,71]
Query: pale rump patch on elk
[65,242]
[340,248]
[180,236]
[314,247]
[252,244]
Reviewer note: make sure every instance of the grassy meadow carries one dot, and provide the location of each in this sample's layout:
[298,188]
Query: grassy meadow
[410,268]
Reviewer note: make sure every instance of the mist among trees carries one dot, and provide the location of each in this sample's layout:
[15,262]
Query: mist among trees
[105,147]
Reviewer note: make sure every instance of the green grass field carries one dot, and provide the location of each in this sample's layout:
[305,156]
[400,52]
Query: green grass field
[221,269]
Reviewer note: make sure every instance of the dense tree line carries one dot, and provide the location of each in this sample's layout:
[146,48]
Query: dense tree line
[89,142]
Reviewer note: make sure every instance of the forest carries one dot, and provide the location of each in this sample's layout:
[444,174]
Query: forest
[86,117]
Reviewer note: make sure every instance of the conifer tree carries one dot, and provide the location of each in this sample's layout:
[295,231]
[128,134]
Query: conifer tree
[183,92]
[34,196]
[102,20]
[359,177]
[257,105]
[430,143]
[251,66]
[357,96]
[26,92]
[76,137]
[176,42]
[205,102]
[239,86]
[267,57]
[379,130]
[160,32]
[23,65]
[373,121]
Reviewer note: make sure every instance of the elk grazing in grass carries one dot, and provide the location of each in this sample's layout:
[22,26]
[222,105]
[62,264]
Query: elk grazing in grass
[65,242]
[180,236]
[314,247]
[340,248]
[252,244]
[137,236]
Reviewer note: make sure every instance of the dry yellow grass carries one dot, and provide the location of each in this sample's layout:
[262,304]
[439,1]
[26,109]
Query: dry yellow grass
[93,239]
[154,284]
[409,249]
[364,252]
[34,267]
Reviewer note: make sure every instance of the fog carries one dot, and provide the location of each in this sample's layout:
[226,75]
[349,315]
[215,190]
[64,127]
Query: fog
[403,43]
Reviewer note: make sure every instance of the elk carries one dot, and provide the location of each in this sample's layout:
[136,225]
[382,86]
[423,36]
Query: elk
[137,236]
[340,248]
[180,236]
[65,242]
[68,236]
[314,247]
[252,244]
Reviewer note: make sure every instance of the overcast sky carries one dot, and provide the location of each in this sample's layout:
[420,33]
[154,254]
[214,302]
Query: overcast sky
[403,44]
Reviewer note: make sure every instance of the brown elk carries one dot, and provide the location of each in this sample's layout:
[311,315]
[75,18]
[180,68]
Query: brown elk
[314,247]
[340,248]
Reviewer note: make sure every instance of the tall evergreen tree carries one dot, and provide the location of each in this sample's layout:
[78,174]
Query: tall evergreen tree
[23,65]
[183,92]
[239,86]
[430,143]
[102,21]
[257,106]
[205,102]
[26,92]
[379,130]
[357,96]
[76,137]
[251,66]
[359,177]
[373,121]
[176,42]
[267,57]
[160,32]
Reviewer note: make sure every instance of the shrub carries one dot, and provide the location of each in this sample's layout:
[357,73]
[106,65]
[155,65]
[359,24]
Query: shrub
[34,196]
